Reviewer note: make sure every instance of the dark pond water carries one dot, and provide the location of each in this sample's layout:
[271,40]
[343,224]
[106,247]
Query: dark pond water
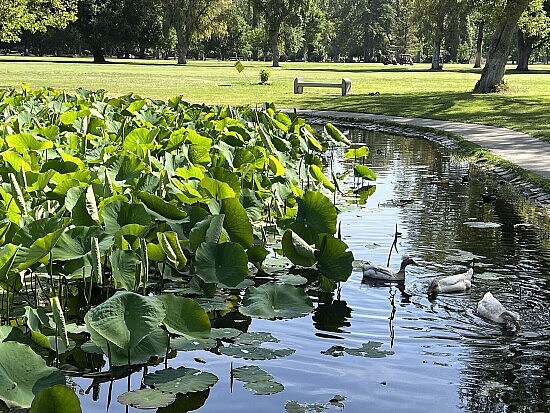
[435,356]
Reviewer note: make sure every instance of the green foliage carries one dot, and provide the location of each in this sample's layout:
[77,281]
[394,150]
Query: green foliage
[264,76]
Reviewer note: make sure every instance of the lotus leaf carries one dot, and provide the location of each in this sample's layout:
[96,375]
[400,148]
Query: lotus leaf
[76,243]
[180,380]
[224,333]
[217,189]
[370,350]
[185,317]
[123,267]
[24,142]
[276,301]
[251,352]
[298,251]
[335,262]
[160,208]
[146,398]
[126,318]
[184,344]
[236,222]
[56,399]
[225,263]
[23,374]
[251,374]
[336,135]
[316,215]
[264,387]
[357,153]
[364,172]
[117,214]
[255,338]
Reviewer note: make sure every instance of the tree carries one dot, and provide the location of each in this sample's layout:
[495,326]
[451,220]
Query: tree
[33,15]
[533,31]
[492,75]
[193,20]
[277,12]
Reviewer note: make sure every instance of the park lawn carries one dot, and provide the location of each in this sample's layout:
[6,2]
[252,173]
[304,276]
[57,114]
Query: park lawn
[403,90]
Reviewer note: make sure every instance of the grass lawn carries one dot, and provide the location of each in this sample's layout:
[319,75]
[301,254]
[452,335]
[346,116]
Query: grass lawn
[404,90]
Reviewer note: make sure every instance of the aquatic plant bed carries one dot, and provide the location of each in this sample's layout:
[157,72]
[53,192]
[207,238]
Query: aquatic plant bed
[128,223]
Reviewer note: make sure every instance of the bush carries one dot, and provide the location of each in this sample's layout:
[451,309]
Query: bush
[264,76]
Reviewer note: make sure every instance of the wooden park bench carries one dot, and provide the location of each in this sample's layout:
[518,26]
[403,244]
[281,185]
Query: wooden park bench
[345,85]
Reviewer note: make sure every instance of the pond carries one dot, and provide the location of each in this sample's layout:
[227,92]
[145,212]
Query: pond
[412,354]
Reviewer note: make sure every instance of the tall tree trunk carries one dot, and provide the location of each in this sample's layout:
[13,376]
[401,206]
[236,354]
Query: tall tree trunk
[97,52]
[479,43]
[492,75]
[452,38]
[438,37]
[525,47]
[182,48]
[275,47]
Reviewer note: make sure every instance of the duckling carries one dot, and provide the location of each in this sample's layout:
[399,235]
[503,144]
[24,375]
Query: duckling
[491,309]
[452,283]
[377,272]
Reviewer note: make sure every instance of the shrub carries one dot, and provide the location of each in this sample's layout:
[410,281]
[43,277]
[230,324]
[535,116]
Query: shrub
[264,76]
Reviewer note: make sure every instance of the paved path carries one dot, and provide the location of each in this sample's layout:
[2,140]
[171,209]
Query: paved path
[516,147]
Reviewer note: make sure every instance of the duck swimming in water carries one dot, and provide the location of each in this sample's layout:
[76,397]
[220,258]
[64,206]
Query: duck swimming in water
[491,309]
[377,272]
[452,283]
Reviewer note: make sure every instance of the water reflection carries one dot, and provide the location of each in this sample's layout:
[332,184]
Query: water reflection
[500,371]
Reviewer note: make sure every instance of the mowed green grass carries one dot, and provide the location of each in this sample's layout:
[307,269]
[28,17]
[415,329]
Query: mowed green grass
[403,90]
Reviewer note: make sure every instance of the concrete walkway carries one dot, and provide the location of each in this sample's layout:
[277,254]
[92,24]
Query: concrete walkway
[516,147]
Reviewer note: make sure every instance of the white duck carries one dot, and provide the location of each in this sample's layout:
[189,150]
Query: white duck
[452,283]
[491,309]
[377,272]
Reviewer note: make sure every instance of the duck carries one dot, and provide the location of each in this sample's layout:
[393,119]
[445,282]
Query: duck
[452,283]
[378,272]
[491,309]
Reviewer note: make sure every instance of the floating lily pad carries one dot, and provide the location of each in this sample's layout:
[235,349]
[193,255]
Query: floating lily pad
[480,224]
[295,407]
[369,350]
[276,301]
[224,333]
[255,338]
[184,344]
[146,399]
[334,351]
[292,279]
[251,352]
[251,374]
[264,387]
[180,380]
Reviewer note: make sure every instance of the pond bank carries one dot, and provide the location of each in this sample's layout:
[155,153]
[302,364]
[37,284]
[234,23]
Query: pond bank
[517,148]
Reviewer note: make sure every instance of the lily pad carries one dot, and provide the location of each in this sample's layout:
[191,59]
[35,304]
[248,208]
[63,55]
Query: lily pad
[180,380]
[276,301]
[56,399]
[184,344]
[251,374]
[251,352]
[185,317]
[369,350]
[146,399]
[264,387]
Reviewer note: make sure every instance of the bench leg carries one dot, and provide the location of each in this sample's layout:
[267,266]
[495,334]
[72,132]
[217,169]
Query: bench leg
[346,86]
[298,88]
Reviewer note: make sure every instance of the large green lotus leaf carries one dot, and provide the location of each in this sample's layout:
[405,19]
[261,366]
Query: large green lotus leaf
[183,344]
[78,201]
[257,254]
[275,301]
[146,399]
[123,266]
[125,168]
[252,204]
[335,134]
[180,380]
[297,250]
[225,263]
[140,139]
[217,189]
[118,214]
[316,215]
[126,318]
[251,352]
[76,243]
[185,317]
[56,399]
[335,262]
[207,230]
[161,208]
[255,338]
[227,176]
[236,222]
[153,345]
[364,172]
[24,142]
[41,228]
[23,374]
[172,239]
[16,161]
